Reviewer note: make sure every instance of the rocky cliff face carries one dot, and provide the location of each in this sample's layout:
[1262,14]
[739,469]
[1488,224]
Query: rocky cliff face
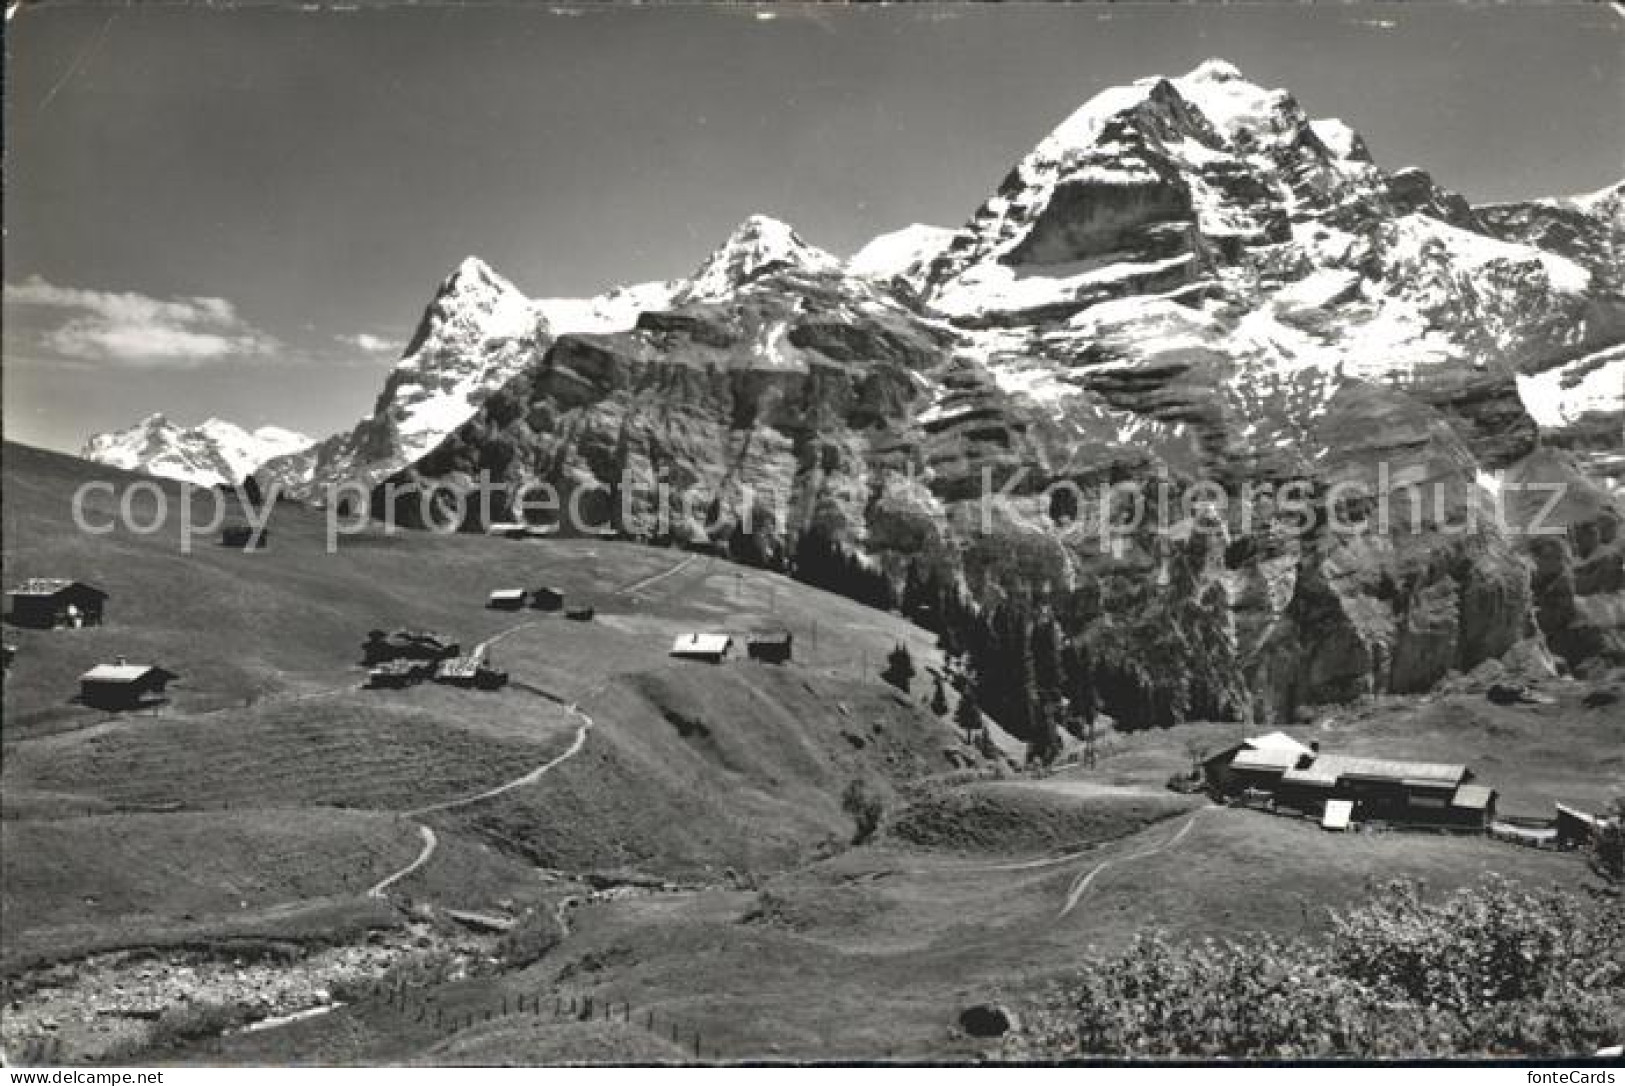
[1334,374]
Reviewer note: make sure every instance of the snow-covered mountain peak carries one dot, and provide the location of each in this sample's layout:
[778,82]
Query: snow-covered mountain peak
[1082,130]
[1237,108]
[1229,104]
[757,246]
[474,274]
[213,452]
[472,304]
[1215,70]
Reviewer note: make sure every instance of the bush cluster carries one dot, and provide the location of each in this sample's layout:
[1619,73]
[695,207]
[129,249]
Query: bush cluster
[1493,970]
[531,937]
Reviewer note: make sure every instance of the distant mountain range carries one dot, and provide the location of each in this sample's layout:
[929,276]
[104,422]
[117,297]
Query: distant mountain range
[1188,279]
[207,454]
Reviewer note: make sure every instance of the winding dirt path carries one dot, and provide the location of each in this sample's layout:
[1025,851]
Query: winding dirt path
[430,843]
[485,645]
[518,782]
[639,585]
[1084,881]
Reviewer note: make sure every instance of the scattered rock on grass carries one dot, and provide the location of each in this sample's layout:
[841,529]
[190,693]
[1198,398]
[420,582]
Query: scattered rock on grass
[986,1020]
[1601,697]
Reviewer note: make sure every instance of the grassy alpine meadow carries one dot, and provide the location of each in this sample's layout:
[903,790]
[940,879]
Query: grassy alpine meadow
[388,876]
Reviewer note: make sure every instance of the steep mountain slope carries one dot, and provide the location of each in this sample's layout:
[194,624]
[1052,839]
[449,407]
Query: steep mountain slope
[210,453]
[475,333]
[1579,404]
[1189,281]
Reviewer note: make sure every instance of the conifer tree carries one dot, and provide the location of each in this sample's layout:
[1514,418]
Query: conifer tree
[899,668]
[966,716]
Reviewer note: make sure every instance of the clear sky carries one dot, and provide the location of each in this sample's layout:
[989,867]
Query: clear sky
[242,212]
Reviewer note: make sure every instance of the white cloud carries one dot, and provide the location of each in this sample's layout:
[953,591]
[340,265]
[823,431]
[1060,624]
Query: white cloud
[369,342]
[133,329]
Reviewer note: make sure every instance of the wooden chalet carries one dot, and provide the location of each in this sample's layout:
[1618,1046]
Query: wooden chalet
[507,529]
[470,671]
[1577,828]
[56,603]
[769,646]
[1255,763]
[398,673]
[124,686]
[716,548]
[712,648]
[547,599]
[407,645]
[243,537]
[506,599]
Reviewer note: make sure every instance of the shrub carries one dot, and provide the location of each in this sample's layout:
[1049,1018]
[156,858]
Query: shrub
[865,807]
[1608,848]
[191,1021]
[770,907]
[1494,970]
[529,940]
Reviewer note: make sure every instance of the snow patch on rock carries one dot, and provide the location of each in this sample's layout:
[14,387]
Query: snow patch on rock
[904,252]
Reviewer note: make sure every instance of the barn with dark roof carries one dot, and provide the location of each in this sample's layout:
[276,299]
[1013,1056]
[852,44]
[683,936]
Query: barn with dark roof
[121,685]
[1282,772]
[1391,790]
[769,646]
